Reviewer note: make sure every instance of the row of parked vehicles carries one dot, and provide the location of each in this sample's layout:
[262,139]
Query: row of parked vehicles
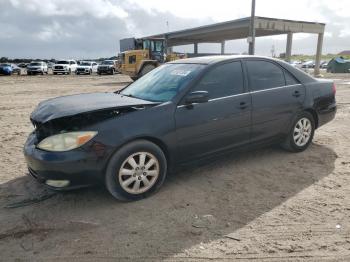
[309,64]
[62,67]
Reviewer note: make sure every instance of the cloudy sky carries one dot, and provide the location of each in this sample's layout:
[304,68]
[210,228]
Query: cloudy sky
[92,28]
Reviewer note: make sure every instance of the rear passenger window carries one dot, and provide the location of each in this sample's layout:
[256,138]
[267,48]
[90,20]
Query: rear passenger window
[264,75]
[223,80]
[290,80]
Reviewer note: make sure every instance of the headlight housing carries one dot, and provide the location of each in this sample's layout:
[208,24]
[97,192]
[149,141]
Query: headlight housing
[66,141]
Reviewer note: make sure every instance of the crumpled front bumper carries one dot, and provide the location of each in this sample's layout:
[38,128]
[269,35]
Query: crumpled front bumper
[81,167]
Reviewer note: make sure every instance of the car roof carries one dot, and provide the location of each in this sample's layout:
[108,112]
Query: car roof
[206,60]
[210,60]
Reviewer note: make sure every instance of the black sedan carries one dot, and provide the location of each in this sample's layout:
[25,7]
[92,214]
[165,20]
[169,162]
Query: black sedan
[182,111]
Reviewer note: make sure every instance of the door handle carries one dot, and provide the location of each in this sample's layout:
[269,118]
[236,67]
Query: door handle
[296,93]
[243,105]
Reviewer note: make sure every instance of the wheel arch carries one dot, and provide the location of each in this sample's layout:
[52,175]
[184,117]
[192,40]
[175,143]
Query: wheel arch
[314,115]
[158,142]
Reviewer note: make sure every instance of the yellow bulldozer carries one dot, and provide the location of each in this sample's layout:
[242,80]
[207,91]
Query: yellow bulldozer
[139,56]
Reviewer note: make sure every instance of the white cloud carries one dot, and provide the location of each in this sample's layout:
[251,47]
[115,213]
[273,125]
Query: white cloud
[93,27]
[95,8]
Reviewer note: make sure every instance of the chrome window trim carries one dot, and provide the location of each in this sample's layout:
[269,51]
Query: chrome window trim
[250,92]
[273,88]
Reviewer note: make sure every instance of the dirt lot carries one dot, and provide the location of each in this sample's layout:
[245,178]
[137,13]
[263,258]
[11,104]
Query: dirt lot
[265,205]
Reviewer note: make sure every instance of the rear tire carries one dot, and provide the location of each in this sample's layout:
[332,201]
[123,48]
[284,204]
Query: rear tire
[140,179]
[146,69]
[301,134]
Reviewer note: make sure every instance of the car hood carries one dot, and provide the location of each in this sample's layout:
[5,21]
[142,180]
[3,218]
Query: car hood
[84,67]
[83,103]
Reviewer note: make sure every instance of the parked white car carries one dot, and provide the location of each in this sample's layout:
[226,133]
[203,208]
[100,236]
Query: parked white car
[86,67]
[64,67]
[37,67]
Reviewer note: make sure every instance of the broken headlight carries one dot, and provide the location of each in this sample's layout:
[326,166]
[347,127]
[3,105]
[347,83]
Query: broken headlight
[66,141]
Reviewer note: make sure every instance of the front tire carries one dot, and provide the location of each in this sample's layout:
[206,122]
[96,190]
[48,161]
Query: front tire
[136,171]
[301,133]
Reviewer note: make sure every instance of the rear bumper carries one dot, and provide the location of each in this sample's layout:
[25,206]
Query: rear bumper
[326,115]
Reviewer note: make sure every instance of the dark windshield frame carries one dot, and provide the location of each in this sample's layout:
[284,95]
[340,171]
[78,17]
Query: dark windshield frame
[63,62]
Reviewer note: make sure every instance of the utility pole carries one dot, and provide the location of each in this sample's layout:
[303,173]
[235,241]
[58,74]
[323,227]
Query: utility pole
[251,38]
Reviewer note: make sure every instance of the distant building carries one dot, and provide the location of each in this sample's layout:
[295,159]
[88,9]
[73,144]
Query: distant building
[345,52]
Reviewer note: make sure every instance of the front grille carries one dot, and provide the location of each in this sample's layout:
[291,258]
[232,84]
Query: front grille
[58,67]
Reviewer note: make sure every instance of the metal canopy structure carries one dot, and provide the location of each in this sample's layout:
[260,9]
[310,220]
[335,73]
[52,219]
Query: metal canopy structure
[239,29]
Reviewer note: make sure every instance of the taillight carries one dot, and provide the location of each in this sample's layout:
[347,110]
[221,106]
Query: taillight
[334,88]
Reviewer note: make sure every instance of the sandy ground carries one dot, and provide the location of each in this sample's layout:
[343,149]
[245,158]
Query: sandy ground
[264,205]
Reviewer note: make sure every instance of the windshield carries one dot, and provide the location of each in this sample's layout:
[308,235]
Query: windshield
[107,63]
[35,64]
[4,65]
[163,83]
[63,62]
[85,63]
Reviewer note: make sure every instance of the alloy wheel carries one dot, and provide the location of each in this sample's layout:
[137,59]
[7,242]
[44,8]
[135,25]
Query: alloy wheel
[302,132]
[139,172]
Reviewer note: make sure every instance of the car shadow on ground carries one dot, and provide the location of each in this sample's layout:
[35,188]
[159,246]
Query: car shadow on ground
[199,204]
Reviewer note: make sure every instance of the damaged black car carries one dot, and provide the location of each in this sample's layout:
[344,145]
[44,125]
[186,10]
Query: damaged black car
[180,112]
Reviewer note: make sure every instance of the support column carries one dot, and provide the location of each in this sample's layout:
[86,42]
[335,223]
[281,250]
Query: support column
[289,46]
[165,44]
[195,48]
[223,47]
[318,54]
[251,38]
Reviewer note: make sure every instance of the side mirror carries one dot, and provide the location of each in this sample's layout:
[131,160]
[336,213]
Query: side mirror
[197,97]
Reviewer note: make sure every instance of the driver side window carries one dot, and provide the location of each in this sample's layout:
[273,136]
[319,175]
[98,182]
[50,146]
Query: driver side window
[223,80]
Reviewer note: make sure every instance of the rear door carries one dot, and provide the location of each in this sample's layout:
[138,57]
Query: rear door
[276,97]
[221,123]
